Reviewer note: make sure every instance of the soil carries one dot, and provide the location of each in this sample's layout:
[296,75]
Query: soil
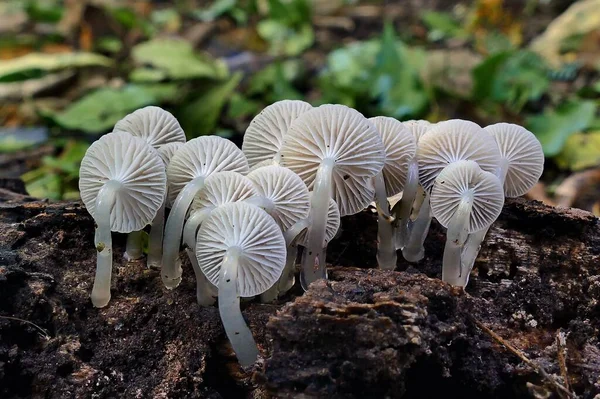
[365,333]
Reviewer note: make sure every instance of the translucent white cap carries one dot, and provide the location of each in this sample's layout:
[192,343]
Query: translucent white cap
[155,125]
[460,180]
[222,188]
[255,234]
[418,127]
[130,161]
[167,151]
[264,135]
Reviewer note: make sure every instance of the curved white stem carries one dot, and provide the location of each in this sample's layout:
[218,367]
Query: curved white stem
[103,241]
[386,246]
[205,291]
[133,248]
[155,239]
[261,202]
[403,210]
[229,308]
[313,258]
[170,272]
[455,239]
[414,251]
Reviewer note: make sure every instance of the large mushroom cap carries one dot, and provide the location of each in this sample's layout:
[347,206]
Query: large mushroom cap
[524,156]
[400,148]
[452,141]
[455,182]
[418,127]
[285,190]
[200,157]
[345,135]
[264,136]
[262,164]
[222,188]
[331,229]
[155,125]
[167,151]
[258,238]
[137,166]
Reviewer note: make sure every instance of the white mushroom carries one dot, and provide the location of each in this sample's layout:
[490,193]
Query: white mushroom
[522,164]
[338,151]
[241,250]
[187,171]
[464,199]
[123,184]
[264,136]
[400,149]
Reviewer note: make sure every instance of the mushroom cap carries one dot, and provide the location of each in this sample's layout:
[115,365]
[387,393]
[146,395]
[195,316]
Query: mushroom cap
[200,157]
[262,164]
[344,135]
[155,125]
[264,136]
[258,238]
[454,182]
[418,127]
[285,190]
[451,141]
[524,156]
[167,151]
[136,165]
[222,188]
[331,228]
[400,148]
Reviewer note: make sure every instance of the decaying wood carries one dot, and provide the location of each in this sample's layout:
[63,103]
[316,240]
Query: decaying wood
[363,333]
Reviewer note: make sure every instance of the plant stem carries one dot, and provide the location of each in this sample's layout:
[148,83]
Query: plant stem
[171,264]
[455,239]
[103,241]
[313,258]
[229,308]
[155,240]
[133,248]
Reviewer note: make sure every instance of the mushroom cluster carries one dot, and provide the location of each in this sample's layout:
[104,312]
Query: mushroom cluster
[242,215]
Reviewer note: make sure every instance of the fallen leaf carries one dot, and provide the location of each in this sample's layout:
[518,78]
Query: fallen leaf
[581,151]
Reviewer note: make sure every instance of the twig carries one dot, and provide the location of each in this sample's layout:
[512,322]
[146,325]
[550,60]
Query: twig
[43,332]
[561,351]
[560,389]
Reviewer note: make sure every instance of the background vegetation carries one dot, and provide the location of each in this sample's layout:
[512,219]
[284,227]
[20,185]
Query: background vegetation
[70,69]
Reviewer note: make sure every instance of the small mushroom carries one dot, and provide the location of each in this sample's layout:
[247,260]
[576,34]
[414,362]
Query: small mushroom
[221,188]
[155,239]
[241,250]
[284,196]
[400,149]
[464,199]
[187,171]
[158,128]
[123,184]
[521,165]
[444,143]
[264,136]
[336,151]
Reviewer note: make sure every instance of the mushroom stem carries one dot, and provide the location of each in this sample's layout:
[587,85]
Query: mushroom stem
[474,241]
[155,239]
[386,247]
[205,291]
[413,250]
[171,264]
[133,248]
[229,308]
[455,239]
[261,202]
[103,241]
[313,258]
[403,208]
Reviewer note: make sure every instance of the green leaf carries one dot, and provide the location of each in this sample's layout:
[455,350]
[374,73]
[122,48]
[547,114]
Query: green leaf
[580,151]
[36,64]
[215,10]
[442,25]
[97,112]
[264,81]
[284,39]
[44,11]
[163,92]
[241,107]
[554,127]
[201,115]
[177,59]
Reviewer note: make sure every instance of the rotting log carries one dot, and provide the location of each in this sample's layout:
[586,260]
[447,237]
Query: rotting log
[365,333]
